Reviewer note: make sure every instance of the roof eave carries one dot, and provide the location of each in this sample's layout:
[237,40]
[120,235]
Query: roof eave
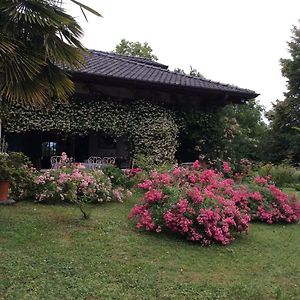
[241,94]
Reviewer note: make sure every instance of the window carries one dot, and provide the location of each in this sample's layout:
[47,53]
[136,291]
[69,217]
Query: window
[49,149]
[106,142]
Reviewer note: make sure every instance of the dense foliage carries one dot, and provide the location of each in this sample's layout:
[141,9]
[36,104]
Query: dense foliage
[243,131]
[233,132]
[15,167]
[152,130]
[284,140]
[283,175]
[135,49]
[157,133]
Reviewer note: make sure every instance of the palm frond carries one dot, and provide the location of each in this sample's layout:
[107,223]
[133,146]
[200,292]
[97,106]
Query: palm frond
[89,9]
[37,38]
[50,83]
[18,62]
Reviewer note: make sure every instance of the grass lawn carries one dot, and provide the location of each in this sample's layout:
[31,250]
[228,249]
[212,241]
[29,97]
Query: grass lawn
[48,252]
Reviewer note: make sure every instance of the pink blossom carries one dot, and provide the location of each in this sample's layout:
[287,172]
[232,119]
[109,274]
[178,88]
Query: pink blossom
[226,167]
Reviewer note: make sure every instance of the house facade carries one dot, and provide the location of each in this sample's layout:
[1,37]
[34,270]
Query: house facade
[123,106]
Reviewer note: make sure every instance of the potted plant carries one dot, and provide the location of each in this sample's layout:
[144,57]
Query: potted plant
[5,176]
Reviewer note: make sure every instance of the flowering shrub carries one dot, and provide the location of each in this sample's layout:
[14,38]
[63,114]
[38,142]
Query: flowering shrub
[269,204]
[202,205]
[15,167]
[68,184]
[195,203]
[77,185]
[118,177]
[133,172]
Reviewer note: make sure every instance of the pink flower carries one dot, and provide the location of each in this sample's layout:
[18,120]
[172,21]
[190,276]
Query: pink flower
[226,167]
[64,157]
[196,165]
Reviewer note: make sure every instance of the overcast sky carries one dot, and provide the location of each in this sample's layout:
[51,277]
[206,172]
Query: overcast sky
[232,41]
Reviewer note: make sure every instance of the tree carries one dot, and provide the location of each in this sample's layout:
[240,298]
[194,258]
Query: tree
[290,66]
[284,142]
[244,130]
[37,39]
[193,72]
[179,71]
[135,49]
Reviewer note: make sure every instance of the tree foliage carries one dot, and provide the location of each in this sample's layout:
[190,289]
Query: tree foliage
[235,131]
[243,130]
[151,129]
[193,72]
[135,49]
[284,142]
[37,38]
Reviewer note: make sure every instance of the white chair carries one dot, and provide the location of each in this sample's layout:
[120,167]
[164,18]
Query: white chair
[55,162]
[94,162]
[108,161]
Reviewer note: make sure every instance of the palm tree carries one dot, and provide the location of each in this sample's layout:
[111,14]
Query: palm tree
[38,41]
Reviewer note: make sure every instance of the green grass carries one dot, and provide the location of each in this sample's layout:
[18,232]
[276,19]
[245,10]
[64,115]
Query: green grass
[48,252]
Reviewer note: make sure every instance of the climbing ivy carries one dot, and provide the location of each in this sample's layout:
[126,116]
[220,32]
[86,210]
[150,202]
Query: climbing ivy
[151,129]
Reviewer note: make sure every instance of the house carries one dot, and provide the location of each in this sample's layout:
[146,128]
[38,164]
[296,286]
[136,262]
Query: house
[123,105]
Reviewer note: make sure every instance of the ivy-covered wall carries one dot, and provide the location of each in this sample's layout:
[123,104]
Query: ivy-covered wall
[152,130]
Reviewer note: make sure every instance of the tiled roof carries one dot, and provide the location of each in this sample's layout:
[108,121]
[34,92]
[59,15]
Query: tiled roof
[111,65]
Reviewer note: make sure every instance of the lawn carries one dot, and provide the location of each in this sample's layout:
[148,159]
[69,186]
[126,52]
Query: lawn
[48,252]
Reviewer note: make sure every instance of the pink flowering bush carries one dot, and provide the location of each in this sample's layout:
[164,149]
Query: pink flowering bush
[203,205]
[195,203]
[133,172]
[75,184]
[265,202]
[269,204]
[68,184]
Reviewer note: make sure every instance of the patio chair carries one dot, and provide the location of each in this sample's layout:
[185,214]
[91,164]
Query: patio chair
[108,161]
[55,162]
[94,162]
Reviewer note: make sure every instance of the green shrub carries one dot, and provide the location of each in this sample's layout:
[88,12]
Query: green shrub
[16,168]
[117,177]
[145,162]
[281,175]
[148,163]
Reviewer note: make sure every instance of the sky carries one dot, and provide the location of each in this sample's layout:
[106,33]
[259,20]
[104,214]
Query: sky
[239,42]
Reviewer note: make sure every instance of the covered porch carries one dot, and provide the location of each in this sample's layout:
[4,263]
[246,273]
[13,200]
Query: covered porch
[41,146]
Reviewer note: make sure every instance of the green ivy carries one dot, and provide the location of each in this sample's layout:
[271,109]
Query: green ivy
[151,129]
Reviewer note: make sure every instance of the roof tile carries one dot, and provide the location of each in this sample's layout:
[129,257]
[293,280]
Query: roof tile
[106,64]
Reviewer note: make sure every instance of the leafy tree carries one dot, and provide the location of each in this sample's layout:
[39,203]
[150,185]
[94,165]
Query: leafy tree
[193,72]
[135,49]
[37,37]
[284,143]
[244,130]
[179,71]
[235,131]
[290,66]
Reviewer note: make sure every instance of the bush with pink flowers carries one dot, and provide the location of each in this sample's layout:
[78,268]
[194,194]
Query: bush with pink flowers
[202,205]
[75,184]
[269,204]
[195,203]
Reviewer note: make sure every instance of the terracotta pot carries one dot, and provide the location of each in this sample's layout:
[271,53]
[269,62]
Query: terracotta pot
[4,186]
